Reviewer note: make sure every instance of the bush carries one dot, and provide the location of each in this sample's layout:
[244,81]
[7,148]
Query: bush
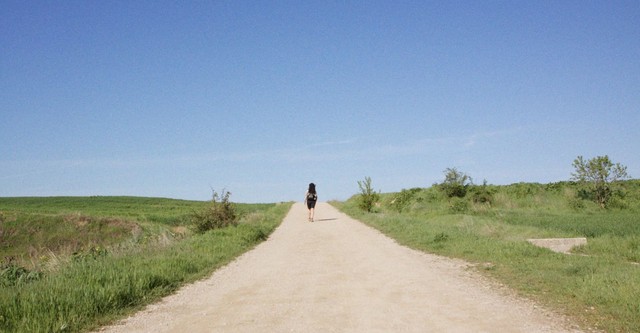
[458,205]
[440,237]
[402,199]
[600,176]
[576,203]
[219,214]
[482,194]
[617,202]
[525,190]
[12,274]
[368,197]
[455,183]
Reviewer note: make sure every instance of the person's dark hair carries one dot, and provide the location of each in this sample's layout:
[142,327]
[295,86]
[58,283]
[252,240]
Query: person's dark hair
[312,188]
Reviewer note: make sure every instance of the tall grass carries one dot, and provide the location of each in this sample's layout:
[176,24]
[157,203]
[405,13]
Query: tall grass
[138,208]
[93,290]
[599,285]
[36,230]
[29,238]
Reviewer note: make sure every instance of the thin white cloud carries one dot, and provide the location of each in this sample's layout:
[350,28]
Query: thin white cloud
[332,143]
[338,150]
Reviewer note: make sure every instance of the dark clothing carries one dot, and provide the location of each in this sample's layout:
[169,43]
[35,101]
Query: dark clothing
[311,204]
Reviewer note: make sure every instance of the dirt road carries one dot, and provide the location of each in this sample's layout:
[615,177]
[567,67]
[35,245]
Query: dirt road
[337,275]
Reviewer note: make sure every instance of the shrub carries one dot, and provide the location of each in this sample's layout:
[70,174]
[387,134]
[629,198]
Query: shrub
[440,237]
[431,194]
[576,203]
[482,194]
[455,183]
[368,197]
[458,205]
[403,198]
[219,214]
[599,175]
[12,274]
[525,190]
[617,202]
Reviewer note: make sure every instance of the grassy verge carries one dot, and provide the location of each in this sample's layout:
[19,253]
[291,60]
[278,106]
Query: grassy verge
[94,289]
[599,285]
[37,232]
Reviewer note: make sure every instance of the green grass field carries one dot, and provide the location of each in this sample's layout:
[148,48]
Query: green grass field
[599,285]
[71,264]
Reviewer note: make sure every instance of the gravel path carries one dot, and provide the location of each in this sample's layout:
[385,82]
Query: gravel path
[338,275]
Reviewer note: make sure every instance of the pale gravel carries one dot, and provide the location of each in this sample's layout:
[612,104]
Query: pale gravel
[338,275]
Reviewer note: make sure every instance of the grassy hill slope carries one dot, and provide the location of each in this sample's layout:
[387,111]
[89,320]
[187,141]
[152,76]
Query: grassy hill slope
[599,284]
[72,263]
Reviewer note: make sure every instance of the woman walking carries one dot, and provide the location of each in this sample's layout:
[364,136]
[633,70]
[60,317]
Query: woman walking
[310,199]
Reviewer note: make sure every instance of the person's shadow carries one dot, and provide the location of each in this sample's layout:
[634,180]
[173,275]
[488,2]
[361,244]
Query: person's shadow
[331,219]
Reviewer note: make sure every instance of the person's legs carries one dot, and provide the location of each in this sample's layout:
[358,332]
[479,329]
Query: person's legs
[311,205]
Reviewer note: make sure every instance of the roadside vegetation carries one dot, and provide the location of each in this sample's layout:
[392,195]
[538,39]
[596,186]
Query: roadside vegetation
[70,264]
[368,196]
[488,226]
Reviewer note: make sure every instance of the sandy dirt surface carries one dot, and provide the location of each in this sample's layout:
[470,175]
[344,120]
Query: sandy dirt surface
[338,275]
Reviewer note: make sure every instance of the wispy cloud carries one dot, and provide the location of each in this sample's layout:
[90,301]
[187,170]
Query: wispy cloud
[473,139]
[426,145]
[352,149]
[333,143]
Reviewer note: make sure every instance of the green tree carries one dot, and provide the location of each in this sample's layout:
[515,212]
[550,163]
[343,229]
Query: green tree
[455,183]
[599,174]
[368,197]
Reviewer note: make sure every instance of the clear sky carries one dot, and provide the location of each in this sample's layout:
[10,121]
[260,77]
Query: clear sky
[174,98]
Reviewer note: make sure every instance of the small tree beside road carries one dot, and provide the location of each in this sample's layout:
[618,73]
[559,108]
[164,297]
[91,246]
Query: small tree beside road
[368,197]
[599,175]
[219,213]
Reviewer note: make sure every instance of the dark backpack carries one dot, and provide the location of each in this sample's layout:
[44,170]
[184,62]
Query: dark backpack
[312,197]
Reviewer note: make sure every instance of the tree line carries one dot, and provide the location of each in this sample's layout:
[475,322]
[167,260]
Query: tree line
[599,177]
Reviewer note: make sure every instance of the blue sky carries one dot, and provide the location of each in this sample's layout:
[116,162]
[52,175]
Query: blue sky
[174,99]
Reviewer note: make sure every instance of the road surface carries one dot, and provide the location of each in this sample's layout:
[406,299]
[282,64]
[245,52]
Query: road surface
[338,275]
